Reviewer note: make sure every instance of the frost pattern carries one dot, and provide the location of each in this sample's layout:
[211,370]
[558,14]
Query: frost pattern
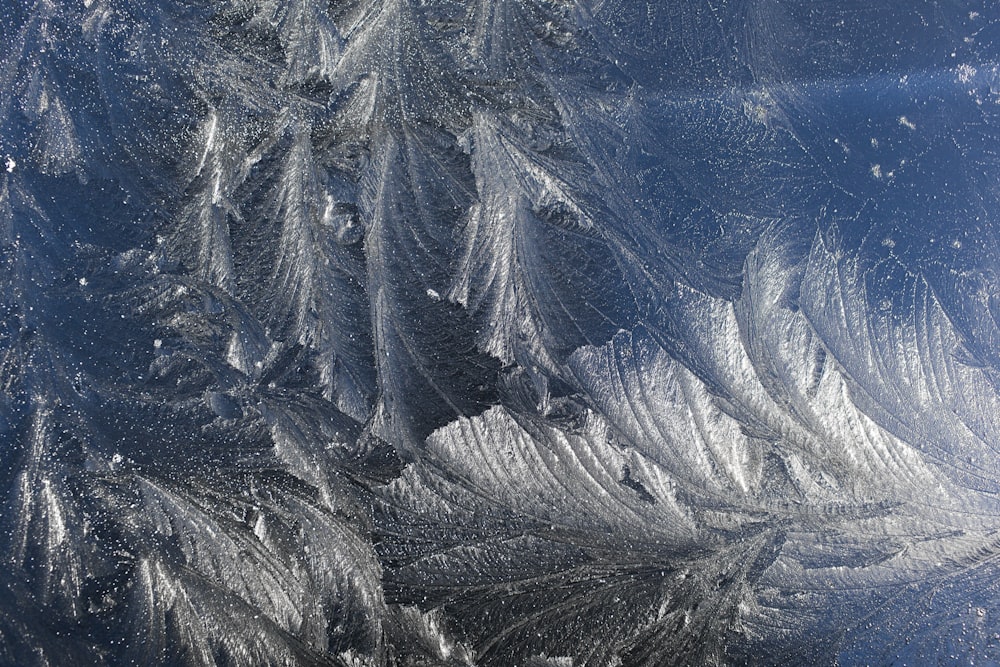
[385,332]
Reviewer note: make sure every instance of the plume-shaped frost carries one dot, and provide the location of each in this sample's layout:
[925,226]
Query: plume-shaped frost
[399,332]
[534,268]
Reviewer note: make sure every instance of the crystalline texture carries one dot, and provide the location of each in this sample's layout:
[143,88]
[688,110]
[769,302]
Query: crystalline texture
[509,332]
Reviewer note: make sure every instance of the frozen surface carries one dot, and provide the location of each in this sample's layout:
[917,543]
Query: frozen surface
[501,332]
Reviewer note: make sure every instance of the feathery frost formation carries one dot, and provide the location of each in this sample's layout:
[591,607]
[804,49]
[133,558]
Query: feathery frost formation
[506,332]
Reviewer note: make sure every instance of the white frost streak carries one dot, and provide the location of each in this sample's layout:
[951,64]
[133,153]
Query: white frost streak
[54,514]
[210,130]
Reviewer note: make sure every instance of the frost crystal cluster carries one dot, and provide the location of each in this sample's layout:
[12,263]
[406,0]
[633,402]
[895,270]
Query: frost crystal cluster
[499,332]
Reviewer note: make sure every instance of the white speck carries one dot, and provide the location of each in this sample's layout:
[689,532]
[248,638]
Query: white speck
[11,164]
[83,282]
[888,243]
[965,73]
[116,458]
[433,294]
[956,244]
[874,142]
[907,123]
[877,171]
[973,15]
[157,343]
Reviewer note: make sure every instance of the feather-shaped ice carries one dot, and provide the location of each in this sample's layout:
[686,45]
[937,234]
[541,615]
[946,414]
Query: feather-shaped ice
[399,332]
[534,268]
